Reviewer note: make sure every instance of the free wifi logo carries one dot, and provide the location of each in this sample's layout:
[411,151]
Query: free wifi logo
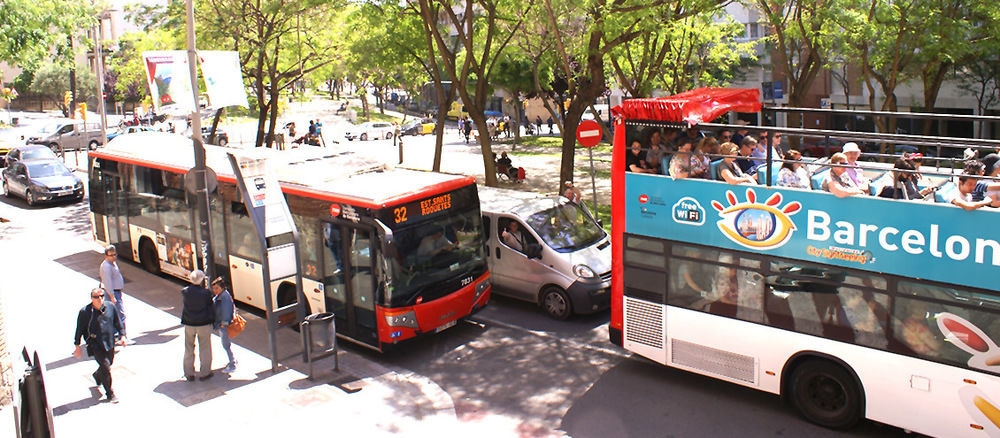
[756,225]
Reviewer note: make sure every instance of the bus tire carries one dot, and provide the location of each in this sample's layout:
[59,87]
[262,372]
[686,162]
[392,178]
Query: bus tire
[148,257]
[556,303]
[825,394]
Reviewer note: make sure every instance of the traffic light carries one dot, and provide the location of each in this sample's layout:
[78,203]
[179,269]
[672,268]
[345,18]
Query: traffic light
[82,109]
[67,98]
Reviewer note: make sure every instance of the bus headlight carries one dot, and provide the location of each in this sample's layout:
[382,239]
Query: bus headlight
[481,288]
[584,271]
[405,319]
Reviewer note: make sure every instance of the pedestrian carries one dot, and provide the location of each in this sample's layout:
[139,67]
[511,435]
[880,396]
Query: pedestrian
[468,129]
[290,126]
[571,192]
[224,310]
[312,128]
[461,125]
[98,324]
[550,122]
[197,316]
[111,280]
[538,124]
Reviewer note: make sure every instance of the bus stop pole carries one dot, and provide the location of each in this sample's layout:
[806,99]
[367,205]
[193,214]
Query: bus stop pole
[204,230]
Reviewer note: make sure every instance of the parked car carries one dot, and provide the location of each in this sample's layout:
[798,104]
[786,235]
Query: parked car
[69,136]
[221,138]
[28,152]
[41,181]
[11,138]
[129,130]
[564,263]
[418,127]
[370,130]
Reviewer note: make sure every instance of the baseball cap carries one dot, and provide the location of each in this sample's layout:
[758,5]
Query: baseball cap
[851,147]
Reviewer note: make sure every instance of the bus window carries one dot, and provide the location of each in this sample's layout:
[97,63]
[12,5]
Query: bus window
[836,312]
[720,290]
[333,274]
[309,244]
[644,244]
[142,197]
[172,206]
[243,240]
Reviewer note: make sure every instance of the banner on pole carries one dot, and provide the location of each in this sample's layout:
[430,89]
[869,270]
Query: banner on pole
[223,78]
[169,80]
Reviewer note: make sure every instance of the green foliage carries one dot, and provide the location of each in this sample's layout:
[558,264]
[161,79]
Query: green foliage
[127,61]
[51,81]
[30,30]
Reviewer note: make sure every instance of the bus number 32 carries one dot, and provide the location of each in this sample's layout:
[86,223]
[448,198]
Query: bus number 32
[400,214]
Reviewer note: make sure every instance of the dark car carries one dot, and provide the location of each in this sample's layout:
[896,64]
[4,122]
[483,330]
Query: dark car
[41,181]
[28,152]
[221,138]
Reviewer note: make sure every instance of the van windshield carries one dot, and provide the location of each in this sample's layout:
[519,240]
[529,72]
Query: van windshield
[566,227]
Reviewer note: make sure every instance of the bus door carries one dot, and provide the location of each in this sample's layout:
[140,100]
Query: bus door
[349,279]
[115,199]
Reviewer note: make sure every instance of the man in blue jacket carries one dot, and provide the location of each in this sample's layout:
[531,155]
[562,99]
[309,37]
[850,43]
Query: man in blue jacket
[98,324]
[197,316]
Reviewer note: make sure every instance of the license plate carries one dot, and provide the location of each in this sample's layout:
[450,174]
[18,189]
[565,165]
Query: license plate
[64,193]
[445,326]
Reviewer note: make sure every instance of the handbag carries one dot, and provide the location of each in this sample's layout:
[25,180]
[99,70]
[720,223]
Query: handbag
[236,327]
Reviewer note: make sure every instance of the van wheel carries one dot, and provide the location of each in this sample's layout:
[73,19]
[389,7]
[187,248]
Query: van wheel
[54,147]
[93,145]
[825,394]
[148,257]
[556,303]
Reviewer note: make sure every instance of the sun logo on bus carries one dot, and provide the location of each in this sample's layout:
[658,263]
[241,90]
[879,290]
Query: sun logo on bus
[756,225]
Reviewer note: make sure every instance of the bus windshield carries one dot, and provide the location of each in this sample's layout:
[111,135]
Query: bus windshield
[566,227]
[433,257]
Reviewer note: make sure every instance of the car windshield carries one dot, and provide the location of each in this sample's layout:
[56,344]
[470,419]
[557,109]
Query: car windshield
[445,249]
[34,153]
[566,227]
[47,169]
[48,129]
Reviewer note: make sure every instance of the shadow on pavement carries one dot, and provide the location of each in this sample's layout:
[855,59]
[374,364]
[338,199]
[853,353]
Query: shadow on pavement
[89,263]
[156,336]
[191,393]
[69,360]
[84,403]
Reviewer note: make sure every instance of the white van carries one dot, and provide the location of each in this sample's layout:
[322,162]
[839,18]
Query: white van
[69,136]
[564,260]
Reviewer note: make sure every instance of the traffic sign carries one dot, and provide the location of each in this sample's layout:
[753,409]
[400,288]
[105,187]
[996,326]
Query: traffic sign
[588,133]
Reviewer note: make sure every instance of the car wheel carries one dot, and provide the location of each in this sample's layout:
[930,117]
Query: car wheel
[388,136]
[93,145]
[148,257]
[6,191]
[364,137]
[54,147]
[825,394]
[29,197]
[556,303]
[223,142]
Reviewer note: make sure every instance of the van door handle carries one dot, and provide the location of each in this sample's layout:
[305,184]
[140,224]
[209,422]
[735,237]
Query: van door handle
[498,252]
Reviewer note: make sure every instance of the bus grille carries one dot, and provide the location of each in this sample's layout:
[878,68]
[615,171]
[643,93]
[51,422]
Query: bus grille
[644,323]
[711,360]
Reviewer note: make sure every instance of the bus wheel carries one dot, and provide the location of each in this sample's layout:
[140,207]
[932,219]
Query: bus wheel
[556,303]
[825,394]
[148,257]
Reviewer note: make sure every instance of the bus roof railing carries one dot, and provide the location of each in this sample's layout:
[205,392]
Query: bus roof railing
[930,116]
[975,143]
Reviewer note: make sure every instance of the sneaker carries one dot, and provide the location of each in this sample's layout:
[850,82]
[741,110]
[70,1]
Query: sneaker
[206,376]
[112,398]
[189,378]
[229,368]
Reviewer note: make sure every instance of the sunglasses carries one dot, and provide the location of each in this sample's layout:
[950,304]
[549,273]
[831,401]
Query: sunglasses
[97,296]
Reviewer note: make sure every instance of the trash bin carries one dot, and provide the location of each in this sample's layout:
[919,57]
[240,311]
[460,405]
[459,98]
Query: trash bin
[322,331]
[319,337]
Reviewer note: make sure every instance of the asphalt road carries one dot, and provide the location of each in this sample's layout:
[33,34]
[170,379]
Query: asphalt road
[509,365]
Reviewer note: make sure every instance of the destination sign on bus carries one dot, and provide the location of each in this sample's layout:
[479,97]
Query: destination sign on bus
[919,240]
[426,207]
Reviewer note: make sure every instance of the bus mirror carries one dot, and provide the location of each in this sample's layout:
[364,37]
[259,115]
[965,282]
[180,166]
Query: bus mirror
[534,251]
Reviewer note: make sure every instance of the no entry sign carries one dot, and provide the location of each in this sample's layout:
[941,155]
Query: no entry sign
[588,133]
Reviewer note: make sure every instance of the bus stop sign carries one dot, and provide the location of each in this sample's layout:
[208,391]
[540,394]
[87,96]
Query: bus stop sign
[588,133]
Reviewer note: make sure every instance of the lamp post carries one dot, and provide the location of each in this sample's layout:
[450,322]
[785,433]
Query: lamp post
[204,241]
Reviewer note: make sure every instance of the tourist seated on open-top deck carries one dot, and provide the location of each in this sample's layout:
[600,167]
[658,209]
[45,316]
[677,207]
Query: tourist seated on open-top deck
[635,159]
[837,181]
[655,151]
[746,146]
[793,173]
[686,163]
[904,184]
[852,152]
[729,171]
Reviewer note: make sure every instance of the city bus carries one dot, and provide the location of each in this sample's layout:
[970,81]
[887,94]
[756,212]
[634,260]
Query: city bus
[848,308]
[366,232]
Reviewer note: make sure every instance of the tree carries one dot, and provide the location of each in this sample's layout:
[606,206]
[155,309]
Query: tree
[802,33]
[981,79]
[483,29]
[130,84]
[279,41]
[32,30]
[52,83]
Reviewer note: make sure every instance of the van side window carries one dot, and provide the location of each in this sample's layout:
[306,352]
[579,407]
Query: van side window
[518,240]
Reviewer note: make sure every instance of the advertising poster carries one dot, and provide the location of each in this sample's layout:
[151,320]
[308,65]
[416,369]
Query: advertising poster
[223,78]
[169,80]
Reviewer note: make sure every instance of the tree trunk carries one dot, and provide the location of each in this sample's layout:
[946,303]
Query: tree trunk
[933,78]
